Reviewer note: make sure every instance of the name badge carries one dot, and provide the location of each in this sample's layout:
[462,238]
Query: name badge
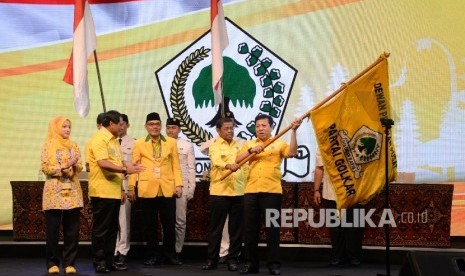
[156,173]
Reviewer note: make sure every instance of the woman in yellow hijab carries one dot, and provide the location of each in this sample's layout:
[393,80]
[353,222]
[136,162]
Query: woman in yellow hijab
[62,197]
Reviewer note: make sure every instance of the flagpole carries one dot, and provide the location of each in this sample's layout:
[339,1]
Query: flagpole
[307,114]
[222,97]
[383,56]
[387,124]
[267,143]
[100,82]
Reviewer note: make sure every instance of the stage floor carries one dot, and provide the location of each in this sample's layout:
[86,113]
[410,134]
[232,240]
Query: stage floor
[36,266]
[26,258]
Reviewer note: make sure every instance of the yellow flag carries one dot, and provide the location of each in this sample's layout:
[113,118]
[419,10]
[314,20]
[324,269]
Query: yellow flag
[352,139]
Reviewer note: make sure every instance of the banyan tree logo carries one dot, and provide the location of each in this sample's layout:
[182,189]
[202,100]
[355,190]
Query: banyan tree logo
[255,80]
[364,147]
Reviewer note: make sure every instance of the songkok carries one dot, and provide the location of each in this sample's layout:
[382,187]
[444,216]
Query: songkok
[125,118]
[152,117]
[173,122]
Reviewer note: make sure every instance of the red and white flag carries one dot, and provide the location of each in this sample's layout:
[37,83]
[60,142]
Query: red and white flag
[85,42]
[219,43]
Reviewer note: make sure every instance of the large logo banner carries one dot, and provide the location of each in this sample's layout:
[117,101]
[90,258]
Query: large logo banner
[255,81]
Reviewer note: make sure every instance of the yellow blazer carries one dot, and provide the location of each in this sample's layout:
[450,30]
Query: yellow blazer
[170,170]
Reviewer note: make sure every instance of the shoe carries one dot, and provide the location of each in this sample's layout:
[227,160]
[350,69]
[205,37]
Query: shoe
[118,267]
[101,268]
[70,270]
[174,260]
[249,269]
[354,261]
[334,262]
[151,261]
[210,265]
[232,265]
[54,270]
[274,269]
[120,259]
[178,257]
[222,260]
[116,258]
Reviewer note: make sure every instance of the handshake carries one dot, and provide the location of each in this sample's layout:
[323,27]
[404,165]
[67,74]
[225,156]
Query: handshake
[132,168]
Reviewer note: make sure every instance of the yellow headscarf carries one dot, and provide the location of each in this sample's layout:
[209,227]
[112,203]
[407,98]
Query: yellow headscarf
[54,136]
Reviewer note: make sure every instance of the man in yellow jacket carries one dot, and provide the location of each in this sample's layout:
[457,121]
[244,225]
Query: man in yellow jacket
[157,188]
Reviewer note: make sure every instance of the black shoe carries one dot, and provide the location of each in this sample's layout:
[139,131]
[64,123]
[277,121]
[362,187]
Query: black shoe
[178,257]
[120,259]
[151,261]
[174,260]
[335,262]
[101,268]
[210,265]
[222,260]
[249,269]
[354,261]
[116,258]
[274,269]
[118,267]
[232,265]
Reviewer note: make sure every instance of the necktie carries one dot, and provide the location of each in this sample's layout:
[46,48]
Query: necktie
[156,149]
[120,140]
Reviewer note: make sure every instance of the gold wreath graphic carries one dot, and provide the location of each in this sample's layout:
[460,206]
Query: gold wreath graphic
[190,128]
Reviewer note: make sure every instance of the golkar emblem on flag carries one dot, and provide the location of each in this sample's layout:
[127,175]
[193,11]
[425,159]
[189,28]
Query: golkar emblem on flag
[366,145]
[362,148]
[255,80]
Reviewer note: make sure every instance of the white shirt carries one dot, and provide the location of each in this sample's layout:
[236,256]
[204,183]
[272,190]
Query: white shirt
[328,190]
[187,163]
[127,146]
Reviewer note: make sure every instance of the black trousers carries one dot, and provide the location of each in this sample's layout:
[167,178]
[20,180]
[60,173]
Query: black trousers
[346,242]
[70,221]
[166,207]
[220,208]
[105,214]
[255,206]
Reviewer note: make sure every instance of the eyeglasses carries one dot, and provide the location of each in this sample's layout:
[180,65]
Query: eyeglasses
[153,124]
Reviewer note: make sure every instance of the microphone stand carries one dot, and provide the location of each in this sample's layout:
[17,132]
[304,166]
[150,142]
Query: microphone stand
[387,124]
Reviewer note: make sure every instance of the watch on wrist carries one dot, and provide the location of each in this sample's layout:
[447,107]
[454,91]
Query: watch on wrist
[250,150]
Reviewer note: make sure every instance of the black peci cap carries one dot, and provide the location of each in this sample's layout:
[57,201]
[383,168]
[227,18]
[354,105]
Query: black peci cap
[152,117]
[173,122]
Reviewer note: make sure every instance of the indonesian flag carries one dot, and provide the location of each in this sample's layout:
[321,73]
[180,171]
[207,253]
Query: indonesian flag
[85,42]
[219,43]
